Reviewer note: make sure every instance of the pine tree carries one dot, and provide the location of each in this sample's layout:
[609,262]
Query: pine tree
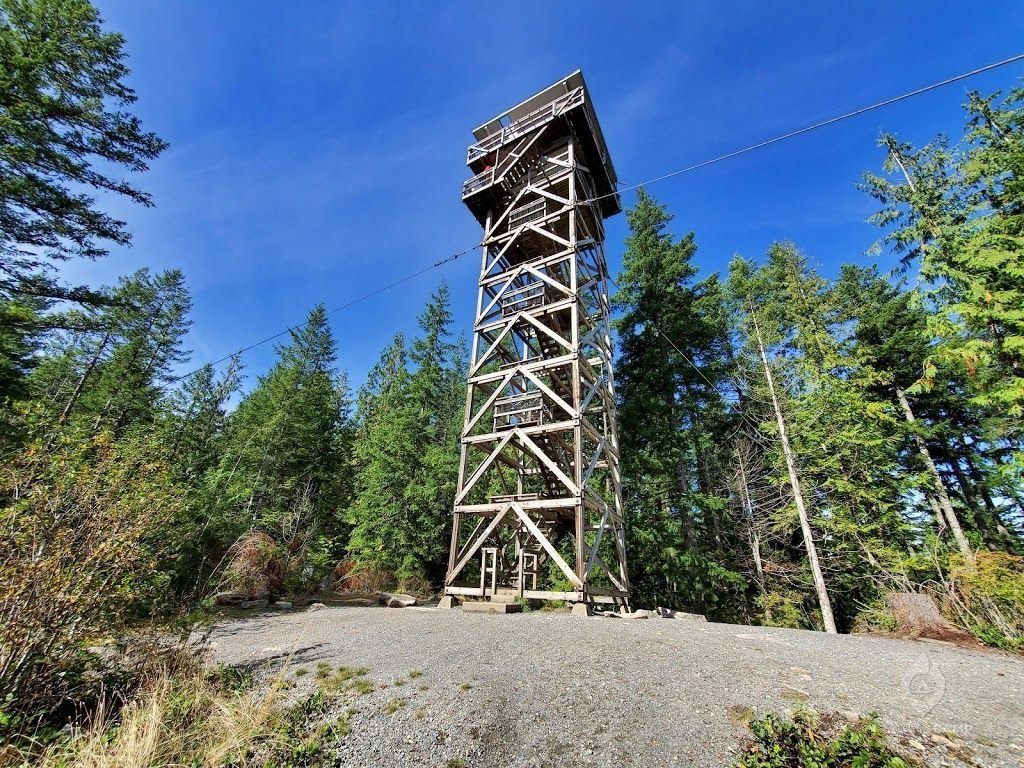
[385,455]
[112,373]
[407,451]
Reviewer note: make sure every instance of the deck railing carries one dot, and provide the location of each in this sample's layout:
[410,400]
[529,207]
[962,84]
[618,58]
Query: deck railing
[527,297]
[525,124]
[518,410]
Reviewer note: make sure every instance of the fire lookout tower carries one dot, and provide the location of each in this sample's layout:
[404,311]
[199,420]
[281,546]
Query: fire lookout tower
[538,511]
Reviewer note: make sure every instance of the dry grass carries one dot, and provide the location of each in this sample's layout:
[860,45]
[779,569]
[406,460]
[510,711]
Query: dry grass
[190,721]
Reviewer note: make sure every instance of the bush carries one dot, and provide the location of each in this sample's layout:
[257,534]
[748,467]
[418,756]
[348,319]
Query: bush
[255,565]
[985,596]
[807,740]
[80,523]
[782,609]
[878,616]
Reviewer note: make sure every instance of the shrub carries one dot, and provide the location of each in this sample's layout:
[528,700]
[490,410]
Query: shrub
[80,522]
[878,616]
[985,596]
[782,609]
[255,565]
[807,739]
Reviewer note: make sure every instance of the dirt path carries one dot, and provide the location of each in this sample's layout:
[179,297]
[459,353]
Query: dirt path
[556,690]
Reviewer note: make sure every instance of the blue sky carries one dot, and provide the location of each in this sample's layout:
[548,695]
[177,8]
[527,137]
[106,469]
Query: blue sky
[317,149]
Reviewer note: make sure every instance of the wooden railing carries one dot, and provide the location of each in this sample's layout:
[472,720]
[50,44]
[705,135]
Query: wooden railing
[525,124]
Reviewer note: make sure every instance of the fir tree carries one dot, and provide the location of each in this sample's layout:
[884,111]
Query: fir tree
[65,131]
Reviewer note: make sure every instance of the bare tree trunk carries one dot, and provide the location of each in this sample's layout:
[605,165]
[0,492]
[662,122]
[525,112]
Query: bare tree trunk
[940,487]
[794,480]
[81,380]
[753,536]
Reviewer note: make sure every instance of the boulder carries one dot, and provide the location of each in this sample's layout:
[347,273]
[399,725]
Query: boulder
[229,598]
[396,600]
[250,604]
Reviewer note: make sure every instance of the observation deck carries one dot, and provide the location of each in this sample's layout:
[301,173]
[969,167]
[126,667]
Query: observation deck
[563,109]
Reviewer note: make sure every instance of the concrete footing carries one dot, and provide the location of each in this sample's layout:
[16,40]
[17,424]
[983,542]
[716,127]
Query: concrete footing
[582,609]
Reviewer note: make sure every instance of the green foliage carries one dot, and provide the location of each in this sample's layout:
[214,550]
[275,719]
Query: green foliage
[808,740]
[81,523]
[406,452]
[65,133]
[673,347]
[985,595]
[284,465]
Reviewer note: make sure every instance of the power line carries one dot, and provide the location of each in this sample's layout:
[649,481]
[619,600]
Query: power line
[672,174]
[815,126]
[346,305]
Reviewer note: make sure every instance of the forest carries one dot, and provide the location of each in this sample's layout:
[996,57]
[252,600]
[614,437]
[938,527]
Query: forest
[794,445]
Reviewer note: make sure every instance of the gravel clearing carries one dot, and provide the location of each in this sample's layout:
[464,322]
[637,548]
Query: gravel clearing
[543,689]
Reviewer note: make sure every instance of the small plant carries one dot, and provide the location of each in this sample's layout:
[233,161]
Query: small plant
[809,739]
[232,679]
[741,715]
[421,713]
[466,686]
[456,762]
[301,672]
[323,670]
[395,704]
[415,673]
[422,687]
[362,686]
[399,681]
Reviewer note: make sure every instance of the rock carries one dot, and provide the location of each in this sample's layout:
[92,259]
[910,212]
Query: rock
[250,604]
[938,738]
[316,607]
[849,714]
[396,601]
[690,616]
[281,605]
[228,598]
[915,744]
[638,614]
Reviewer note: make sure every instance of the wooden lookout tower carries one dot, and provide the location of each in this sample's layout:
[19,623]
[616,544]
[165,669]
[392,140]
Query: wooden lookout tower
[538,511]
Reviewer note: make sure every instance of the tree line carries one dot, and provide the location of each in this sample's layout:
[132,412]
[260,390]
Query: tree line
[805,444]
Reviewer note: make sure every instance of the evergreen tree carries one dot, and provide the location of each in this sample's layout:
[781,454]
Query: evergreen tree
[284,463]
[672,350]
[65,131]
[385,454]
[111,371]
[407,451]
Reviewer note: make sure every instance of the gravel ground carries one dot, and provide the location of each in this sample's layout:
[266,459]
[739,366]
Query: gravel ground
[541,689]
